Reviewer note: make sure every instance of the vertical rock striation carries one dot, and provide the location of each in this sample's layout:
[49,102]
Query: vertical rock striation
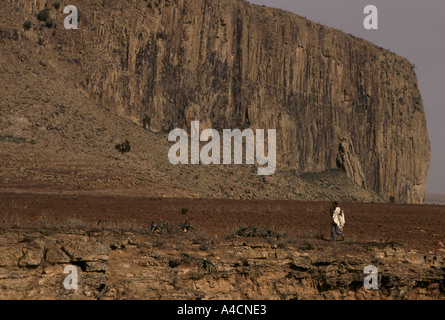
[335,100]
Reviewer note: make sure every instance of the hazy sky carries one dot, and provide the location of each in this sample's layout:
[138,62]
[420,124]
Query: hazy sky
[414,29]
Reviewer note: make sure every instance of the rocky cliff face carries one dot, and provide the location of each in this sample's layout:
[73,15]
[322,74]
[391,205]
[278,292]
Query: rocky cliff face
[335,100]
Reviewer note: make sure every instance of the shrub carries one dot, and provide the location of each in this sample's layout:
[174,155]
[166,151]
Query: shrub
[27,25]
[253,232]
[319,236]
[161,227]
[256,232]
[241,231]
[74,223]
[47,222]
[50,22]
[161,35]
[43,15]
[41,41]
[207,265]
[56,5]
[11,220]
[124,147]
[185,227]
[269,233]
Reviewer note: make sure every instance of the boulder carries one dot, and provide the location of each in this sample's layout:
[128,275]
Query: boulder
[55,255]
[95,251]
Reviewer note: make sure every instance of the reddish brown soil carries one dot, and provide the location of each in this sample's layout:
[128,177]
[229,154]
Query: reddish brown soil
[414,226]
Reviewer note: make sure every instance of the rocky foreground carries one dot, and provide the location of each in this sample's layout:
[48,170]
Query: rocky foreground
[162,263]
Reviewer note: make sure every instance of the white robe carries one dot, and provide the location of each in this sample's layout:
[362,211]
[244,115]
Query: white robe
[339,217]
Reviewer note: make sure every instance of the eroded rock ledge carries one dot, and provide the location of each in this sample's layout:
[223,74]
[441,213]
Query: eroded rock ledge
[127,265]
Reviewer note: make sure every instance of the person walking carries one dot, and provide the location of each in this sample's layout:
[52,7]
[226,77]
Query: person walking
[338,221]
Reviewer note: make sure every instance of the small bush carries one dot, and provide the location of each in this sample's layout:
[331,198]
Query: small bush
[75,223]
[125,226]
[307,246]
[269,233]
[124,147]
[11,138]
[161,35]
[253,232]
[27,25]
[43,15]
[256,232]
[56,5]
[50,22]
[11,220]
[161,227]
[241,231]
[185,227]
[319,236]
[41,41]
[206,265]
[47,222]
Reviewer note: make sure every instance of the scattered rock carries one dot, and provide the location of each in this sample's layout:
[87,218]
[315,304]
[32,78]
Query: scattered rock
[87,251]
[56,255]
[10,255]
[96,267]
[30,258]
